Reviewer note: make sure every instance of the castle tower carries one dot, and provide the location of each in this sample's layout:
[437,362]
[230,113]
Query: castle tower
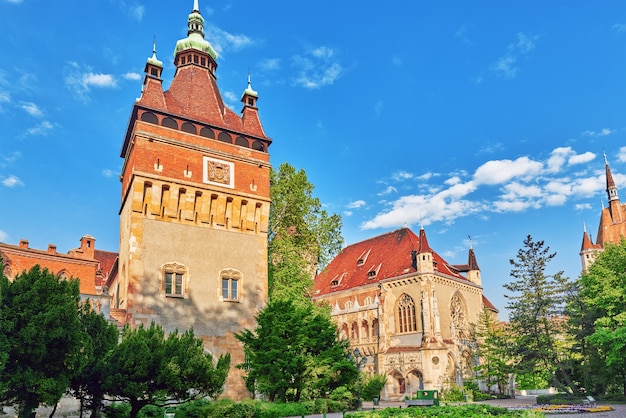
[195,205]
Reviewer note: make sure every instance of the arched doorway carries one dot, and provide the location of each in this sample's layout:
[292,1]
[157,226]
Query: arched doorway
[414,382]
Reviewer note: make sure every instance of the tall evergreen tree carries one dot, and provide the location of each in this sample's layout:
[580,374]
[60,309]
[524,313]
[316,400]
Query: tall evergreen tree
[101,337]
[536,307]
[39,320]
[494,343]
[302,236]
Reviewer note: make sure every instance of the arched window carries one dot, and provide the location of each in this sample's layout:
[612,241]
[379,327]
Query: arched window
[207,133]
[241,141]
[258,146]
[149,117]
[170,123]
[224,137]
[365,329]
[348,304]
[458,318]
[354,331]
[189,127]
[406,314]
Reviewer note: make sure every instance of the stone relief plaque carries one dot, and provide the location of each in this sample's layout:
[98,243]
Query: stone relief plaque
[219,172]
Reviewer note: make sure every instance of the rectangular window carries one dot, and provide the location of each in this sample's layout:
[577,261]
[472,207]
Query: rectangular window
[173,284]
[230,290]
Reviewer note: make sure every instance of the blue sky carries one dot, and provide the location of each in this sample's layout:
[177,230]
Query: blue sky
[485,119]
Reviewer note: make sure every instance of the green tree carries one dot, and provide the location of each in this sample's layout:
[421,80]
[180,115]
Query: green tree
[603,290]
[148,368]
[101,337]
[302,236]
[494,342]
[536,306]
[39,319]
[295,350]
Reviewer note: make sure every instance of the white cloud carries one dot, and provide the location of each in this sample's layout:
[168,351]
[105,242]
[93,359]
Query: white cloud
[3,236]
[402,175]
[582,206]
[622,154]
[108,172]
[316,68]
[6,160]
[507,65]
[347,213]
[521,184]
[356,204]
[13,1]
[222,40]
[581,158]
[40,129]
[31,108]
[81,81]
[388,190]
[601,132]
[4,97]
[501,171]
[132,76]
[12,181]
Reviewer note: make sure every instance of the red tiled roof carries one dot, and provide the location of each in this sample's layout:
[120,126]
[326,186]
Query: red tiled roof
[383,257]
[195,94]
[487,304]
[106,259]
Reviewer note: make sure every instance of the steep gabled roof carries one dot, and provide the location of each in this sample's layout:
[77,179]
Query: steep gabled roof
[388,256]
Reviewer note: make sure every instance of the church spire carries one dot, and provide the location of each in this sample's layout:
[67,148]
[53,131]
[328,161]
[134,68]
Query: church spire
[249,96]
[611,189]
[187,49]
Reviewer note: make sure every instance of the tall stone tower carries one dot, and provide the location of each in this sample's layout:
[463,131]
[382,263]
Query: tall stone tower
[195,205]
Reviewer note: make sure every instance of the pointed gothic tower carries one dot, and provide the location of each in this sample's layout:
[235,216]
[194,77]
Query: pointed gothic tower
[195,205]
[612,226]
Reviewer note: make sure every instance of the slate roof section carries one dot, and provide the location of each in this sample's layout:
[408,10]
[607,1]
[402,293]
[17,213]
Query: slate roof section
[390,254]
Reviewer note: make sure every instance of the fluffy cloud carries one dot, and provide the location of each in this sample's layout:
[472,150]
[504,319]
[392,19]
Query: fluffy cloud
[12,181]
[519,185]
[356,204]
[81,81]
[507,65]
[222,40]
[501,171]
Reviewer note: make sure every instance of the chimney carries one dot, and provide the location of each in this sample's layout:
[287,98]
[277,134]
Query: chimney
[87,246]
[24,243]
[52,249]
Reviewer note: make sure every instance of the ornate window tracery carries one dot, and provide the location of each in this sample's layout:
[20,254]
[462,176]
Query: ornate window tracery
[406,314]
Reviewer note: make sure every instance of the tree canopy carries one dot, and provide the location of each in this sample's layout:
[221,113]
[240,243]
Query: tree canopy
[536,307]
[302,236]
[148,368]
[603,293]
[494,343]
[42,338]
[295,350]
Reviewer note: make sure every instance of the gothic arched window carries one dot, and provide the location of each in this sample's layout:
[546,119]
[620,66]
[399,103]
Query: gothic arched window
[406,314]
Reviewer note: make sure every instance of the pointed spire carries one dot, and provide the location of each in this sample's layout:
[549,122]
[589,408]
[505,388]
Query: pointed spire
[423,246]
[153,59]
[611,189]
[471,260]
[195,34]
[249,96]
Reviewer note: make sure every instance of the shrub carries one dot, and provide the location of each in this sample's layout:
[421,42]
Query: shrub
[372,386]
[453,394]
